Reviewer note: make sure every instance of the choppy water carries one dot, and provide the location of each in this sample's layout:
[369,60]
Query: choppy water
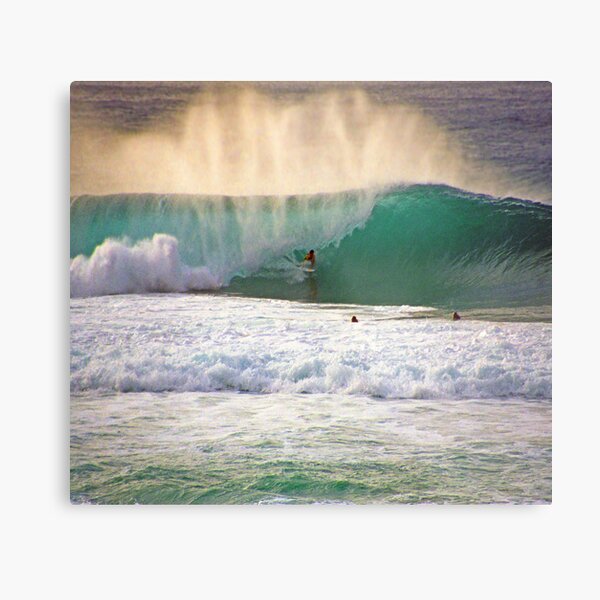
[240,448]
[217,399]
[281,448]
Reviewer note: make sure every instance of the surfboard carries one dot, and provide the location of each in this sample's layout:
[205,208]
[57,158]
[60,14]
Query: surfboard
[305,266]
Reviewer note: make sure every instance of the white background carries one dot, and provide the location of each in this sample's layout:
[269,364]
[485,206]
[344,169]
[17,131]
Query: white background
[50,547]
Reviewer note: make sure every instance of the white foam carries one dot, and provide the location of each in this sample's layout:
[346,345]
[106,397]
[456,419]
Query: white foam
[153,265]
[209,343]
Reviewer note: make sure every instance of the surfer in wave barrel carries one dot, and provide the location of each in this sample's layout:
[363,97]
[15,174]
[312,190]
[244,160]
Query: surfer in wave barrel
[311,258]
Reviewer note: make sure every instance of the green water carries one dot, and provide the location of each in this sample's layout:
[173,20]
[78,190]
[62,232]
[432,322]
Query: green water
[423,245]
[232,448]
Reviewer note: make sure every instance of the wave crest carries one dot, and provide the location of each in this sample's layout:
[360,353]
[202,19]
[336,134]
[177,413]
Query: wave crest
[153,265]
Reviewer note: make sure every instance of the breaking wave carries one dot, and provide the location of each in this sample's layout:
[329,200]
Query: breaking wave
[420,245]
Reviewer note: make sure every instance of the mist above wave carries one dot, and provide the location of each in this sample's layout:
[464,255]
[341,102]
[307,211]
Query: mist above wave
[240,141]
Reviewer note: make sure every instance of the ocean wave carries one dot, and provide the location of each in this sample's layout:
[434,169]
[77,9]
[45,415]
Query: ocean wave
[424,244]
[207,343]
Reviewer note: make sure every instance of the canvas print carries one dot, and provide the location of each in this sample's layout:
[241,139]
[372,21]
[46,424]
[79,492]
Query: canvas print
[311,293]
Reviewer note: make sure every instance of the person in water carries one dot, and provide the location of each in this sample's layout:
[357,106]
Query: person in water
[310,257]
[456,317]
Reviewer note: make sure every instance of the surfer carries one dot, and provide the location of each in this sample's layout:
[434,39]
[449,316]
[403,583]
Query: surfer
[456,317]
[311,258]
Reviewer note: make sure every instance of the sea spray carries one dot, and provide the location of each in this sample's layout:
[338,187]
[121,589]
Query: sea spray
[240,141]
[148,266]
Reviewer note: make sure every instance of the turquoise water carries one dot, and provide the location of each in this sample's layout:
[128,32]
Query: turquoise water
[203,398]
[419,245]
[232,448]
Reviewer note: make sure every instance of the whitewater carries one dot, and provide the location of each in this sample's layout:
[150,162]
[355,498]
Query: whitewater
[197,398]
[207,367]
[206,343]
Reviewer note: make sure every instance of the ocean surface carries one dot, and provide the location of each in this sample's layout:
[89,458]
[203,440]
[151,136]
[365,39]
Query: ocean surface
[208,367]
